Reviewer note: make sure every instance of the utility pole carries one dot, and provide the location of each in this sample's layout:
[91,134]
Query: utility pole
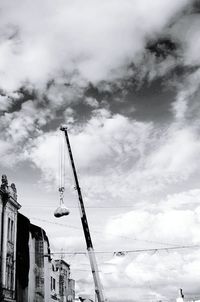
[90,249]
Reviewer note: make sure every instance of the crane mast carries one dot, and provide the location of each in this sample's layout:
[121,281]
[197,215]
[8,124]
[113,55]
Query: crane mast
[90,249]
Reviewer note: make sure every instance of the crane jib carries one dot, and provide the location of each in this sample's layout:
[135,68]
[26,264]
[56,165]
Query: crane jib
[86,232]
[92,258]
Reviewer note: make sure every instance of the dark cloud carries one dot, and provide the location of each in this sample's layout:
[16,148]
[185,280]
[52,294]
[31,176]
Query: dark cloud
[162,48]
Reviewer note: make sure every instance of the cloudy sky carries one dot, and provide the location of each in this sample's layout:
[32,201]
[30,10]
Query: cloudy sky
[124,75]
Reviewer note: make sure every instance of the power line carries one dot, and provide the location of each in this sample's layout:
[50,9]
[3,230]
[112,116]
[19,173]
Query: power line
[161,249]
[76,207]
[99,232]
[124,252]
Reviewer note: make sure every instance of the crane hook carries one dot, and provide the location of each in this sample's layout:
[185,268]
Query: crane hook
[62,210]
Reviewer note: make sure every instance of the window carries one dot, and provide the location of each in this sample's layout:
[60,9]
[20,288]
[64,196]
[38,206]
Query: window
[53,284]
[39,252]
[54,268]
[10,230]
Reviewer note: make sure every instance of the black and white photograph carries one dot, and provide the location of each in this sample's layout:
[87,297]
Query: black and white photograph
[100,151]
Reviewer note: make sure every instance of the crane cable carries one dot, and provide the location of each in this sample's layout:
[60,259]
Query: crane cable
[61,188]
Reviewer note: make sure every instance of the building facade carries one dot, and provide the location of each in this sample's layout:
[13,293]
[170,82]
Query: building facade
[39,277]
[71,290]
[27,271]
[66,284]
[8,223]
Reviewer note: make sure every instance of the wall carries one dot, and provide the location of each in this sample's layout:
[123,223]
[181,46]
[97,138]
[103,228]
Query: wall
[39,275]
[23,259]
[33,273]
[9,208]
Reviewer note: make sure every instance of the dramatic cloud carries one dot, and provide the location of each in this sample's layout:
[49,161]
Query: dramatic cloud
[81,63]
[93,39]
[130,152]
[121,160]
[107,145]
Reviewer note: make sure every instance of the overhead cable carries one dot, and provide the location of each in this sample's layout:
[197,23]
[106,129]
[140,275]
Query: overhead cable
[125,252]
[100,232]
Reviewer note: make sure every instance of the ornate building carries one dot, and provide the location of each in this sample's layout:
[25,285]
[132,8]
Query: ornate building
[8,222]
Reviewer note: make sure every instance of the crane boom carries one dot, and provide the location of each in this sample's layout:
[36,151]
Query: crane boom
[90,249]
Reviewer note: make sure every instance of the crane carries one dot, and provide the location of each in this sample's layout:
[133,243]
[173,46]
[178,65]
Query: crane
[62,210]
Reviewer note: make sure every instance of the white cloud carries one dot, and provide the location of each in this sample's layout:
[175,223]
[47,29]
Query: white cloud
[187,94]
[24,124]
[92,39]
[45,156]
[92,102]
[170,226]
[186,31]
[7,157]
[122,158]
[4,103]
[68,244]
[181,200]
[177,155]
[148,272]
[106,145]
